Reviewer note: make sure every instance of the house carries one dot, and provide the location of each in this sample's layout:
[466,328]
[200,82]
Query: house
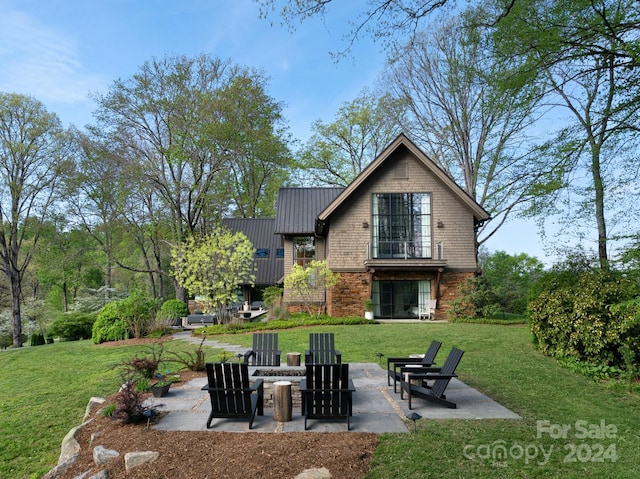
[268,265]
[402,234]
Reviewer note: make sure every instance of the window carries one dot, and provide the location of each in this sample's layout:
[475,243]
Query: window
[304,250]
[262,253]
[401,225]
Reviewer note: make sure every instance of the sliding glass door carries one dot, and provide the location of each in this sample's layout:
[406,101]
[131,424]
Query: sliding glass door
[400,299]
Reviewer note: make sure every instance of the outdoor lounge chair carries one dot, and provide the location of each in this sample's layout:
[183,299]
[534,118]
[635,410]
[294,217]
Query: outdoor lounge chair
[427,361]
[428,310]
[321,350]
[265,350]
[231,394]
[416,383]
[326,392]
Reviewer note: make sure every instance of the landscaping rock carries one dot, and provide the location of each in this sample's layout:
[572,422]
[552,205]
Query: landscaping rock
[135,459]
[60,469]
[102,455]
[70,446]
[316,473]
[93,402]
[103,474]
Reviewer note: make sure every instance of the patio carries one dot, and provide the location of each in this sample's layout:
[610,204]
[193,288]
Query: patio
[376,408]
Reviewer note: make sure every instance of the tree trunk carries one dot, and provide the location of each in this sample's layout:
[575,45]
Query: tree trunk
[598,186]
[181,294]
[65,297]
[15,309]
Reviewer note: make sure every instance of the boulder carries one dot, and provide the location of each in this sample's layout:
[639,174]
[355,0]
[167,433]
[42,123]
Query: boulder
[102,455]
[135,459]
[315,473]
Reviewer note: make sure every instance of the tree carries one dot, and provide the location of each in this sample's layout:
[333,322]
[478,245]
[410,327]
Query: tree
[65,260]
[255,137]
[94,191]
[178,128]
[505,285]
[458,113]
[592,73]
[310,282]
[511,278]
[213,266]
[34,156]
[337,152]
[385,20]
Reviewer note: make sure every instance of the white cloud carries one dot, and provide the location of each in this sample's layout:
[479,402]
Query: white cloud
[40,61]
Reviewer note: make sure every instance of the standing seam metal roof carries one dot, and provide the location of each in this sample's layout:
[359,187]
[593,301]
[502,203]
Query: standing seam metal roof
[298,208]
[260,231]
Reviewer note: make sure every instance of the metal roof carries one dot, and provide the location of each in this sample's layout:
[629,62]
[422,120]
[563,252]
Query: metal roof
[268,266]
[298,208]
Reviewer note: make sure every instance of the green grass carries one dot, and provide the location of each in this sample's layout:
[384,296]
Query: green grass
[45,390]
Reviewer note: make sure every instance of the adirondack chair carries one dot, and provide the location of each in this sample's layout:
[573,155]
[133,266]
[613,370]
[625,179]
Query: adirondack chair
[231,393]
[321,350]
[428,310]
[439,376]
[265,350]
[326,392]
[394,364]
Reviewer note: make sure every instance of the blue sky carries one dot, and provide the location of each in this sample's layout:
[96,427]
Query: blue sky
[59,51]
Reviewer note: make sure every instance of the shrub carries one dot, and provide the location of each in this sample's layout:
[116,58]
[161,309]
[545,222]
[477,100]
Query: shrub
[118,319]
[36,339]
[73,326]
[192,361]
[143,366]
[140,312]
[172,310]
[581,320]
[129,405]
[110,325]
[272,295]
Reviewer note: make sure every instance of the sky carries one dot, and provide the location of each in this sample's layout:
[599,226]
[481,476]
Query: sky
[62,51]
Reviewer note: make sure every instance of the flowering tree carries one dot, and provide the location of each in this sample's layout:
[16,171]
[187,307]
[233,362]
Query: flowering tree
[309,283]
[213,266]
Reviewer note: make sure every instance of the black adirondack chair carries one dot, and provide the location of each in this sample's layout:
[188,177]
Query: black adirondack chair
[327,392]
[265,350]
[322,350]
[231,393]
[394,364]
[440,377]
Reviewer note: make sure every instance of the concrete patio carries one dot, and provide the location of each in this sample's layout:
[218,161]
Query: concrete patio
[376,408]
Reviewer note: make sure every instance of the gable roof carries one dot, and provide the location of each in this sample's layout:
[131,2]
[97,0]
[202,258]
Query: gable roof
[267,267]
[479,213]
[298,208]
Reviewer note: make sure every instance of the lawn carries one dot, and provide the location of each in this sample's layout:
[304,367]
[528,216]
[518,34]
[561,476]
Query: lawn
[571,426]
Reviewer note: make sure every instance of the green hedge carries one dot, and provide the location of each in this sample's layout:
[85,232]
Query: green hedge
[296,320]
[172,310]
[73,326]
[596,319]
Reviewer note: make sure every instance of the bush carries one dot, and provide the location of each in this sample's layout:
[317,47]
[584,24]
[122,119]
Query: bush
[137,367]
[194,361]
[129,406]
[118,319]
[73,326]
[585,320]
[172,310]
[272,295]
[109,325]
[36,339]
